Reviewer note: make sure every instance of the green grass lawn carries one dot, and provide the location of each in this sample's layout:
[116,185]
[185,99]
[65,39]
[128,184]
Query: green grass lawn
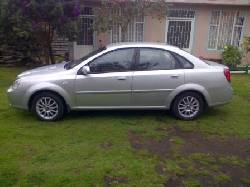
[126,148]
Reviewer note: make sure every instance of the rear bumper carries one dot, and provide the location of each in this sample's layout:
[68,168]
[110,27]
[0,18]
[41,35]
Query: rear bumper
[223,96]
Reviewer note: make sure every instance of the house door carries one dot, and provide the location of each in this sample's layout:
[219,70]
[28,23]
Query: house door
[180,28]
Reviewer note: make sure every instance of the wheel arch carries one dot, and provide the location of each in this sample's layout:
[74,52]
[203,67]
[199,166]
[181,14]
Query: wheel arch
[47,87]
[194,91]
[189,88]
[46,91]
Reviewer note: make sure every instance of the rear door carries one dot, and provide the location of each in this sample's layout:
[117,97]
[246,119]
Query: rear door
[156,75]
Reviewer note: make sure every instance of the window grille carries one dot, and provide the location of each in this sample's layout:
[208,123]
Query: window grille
[85,36]
[181,13]
[180,23]
[225,29]
[134,32]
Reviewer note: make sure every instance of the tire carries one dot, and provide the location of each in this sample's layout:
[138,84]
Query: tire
[188,106]
[48,107]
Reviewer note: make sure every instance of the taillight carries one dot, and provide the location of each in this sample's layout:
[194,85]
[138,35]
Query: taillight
[227,74]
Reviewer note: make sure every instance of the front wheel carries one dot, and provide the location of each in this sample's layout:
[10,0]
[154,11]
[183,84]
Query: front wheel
[48,106]
[188,106]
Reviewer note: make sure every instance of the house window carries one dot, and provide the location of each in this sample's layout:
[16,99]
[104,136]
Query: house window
[134,32]
[181,13]
[225,29]
[85,36]
[180,25]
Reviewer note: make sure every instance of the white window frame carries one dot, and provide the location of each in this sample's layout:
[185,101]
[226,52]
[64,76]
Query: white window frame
[183,18]
[81,17]
[135,23]
[219,27]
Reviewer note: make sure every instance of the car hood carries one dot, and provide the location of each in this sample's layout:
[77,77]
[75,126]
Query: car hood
[55,68]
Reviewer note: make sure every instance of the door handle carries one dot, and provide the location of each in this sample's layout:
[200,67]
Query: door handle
[121,78]
[175,76]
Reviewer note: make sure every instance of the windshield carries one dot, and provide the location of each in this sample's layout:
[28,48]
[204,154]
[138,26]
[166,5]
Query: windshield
[74,63]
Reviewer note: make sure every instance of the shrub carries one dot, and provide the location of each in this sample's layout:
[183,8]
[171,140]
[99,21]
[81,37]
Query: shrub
[231,56]
[246,44]
[246,49]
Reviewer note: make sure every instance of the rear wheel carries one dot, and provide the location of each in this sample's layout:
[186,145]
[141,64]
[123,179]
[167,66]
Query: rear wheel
[48,106]
[188,106]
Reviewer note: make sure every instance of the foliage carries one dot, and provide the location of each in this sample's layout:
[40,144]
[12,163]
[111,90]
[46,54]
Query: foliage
[246,48]
[17,42]
[27,27]
[30,25]
[121,13]
[246,44]
[231,56]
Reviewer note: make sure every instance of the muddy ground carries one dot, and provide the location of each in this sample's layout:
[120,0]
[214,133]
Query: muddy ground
[207,159]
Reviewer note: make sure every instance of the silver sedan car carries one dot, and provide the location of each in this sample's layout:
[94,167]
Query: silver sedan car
[124,76]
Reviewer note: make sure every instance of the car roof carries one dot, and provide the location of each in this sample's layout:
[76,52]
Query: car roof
[142,44]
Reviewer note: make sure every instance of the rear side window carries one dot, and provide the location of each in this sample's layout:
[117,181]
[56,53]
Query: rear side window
[155,59]
[183,62]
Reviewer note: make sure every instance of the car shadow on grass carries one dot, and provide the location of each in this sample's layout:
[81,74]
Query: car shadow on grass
[116,114]
[158,114]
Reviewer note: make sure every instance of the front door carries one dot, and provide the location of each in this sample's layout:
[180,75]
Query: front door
[180,29]
[108,85]
[155,77]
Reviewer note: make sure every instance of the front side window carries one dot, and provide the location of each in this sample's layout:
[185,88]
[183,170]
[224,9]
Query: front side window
[74,63]
[155,59]
[225,29]
[114,61]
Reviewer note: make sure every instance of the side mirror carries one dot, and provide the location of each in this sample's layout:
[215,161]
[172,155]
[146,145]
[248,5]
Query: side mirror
[85,70]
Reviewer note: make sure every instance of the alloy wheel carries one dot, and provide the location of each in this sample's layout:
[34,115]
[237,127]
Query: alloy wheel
[47,108]
[188,107]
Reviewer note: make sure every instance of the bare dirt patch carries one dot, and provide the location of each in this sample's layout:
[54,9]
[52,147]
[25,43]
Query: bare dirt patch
[160,169]
[194,142]
[107,145]
[110,181]
[158,147]
[237,174]
[174,183]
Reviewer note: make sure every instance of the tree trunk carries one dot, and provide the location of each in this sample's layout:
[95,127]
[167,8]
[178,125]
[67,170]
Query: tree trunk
[46,55]
[50,40]
[51,54]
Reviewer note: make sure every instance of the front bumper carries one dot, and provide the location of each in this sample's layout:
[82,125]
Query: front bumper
[15,98]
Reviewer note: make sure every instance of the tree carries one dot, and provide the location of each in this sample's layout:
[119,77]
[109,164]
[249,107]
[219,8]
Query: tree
[246,49]
[48,17]
[33,23]
[122,12]
[27,27]
[17,42]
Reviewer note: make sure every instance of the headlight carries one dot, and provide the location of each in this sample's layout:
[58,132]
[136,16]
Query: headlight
[16,84]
